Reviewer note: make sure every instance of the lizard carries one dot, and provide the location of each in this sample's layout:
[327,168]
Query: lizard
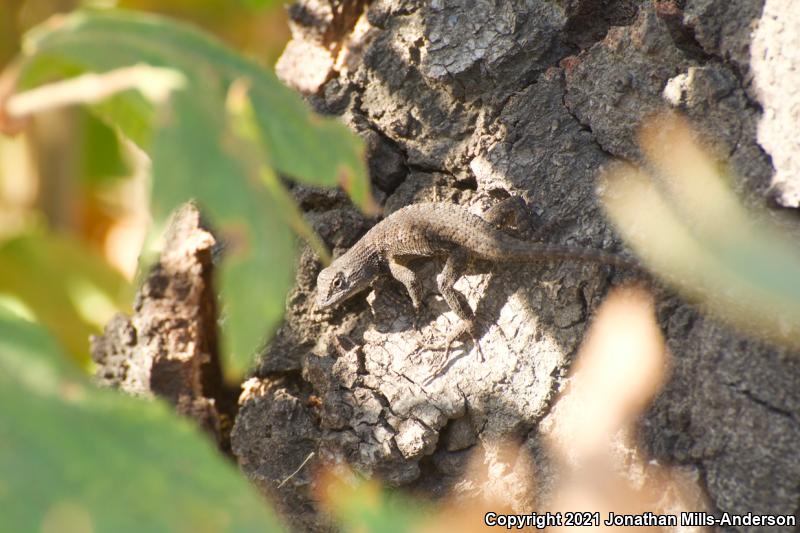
[445,231]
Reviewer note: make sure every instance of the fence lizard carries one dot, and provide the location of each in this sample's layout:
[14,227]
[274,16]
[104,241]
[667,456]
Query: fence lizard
[445,231]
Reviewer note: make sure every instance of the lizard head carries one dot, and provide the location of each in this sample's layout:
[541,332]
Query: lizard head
[341,280]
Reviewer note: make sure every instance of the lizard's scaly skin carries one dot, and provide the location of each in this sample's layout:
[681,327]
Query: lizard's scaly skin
[436,229]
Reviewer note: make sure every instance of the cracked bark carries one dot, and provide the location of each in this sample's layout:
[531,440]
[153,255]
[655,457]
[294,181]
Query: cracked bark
[168,346]
[532,99]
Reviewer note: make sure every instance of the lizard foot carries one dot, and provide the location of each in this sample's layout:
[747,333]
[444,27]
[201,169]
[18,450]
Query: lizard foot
[466,326]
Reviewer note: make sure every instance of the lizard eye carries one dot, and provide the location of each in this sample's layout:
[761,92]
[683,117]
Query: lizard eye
[337,282]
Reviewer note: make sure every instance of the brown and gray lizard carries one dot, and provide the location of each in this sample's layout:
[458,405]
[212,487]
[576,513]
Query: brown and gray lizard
[445,231]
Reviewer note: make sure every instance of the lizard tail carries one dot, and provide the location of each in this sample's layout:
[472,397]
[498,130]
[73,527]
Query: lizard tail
[543,252]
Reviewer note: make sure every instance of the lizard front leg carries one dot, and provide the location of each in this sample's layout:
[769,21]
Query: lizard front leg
[409,279]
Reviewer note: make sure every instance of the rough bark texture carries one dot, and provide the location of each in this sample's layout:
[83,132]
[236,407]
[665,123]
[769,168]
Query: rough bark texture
[469,102]
[168,347]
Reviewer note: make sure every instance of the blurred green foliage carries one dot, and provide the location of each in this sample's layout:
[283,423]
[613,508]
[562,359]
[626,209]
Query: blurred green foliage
[104,157]
[77,458]
[67,288]
[364,505]
[258,28]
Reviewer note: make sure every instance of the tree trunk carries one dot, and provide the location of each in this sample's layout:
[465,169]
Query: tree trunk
[469,102]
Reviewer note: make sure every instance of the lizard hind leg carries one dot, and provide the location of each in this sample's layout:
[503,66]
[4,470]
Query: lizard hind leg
[454,267]
[512,212]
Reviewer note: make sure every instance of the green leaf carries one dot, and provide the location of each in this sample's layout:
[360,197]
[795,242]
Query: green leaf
[69,289]
[259,245]
[195,153]
[314,150]
[102,155]
[77,458]
[247,142]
